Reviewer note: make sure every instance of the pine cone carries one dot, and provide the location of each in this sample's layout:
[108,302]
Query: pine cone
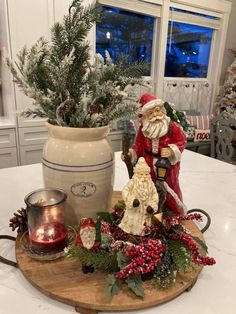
[19,220]
[95,108]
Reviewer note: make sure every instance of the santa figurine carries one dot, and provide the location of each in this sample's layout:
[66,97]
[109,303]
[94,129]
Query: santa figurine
[86,238]
[141,200]
[158,137]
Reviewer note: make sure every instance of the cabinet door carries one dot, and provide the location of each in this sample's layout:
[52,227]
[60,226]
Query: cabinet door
[32,136]
[8,157]
[31,154]
[7,138]
[28,20]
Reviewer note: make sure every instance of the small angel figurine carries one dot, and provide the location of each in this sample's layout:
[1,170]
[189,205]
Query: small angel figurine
[141,199]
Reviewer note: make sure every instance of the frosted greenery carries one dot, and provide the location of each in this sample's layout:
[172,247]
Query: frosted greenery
[65,86]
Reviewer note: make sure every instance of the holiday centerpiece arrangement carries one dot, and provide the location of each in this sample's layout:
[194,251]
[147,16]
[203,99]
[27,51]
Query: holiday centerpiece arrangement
[80,99]
[147,245]
[144,237]
[135,242]
[144,246]
[137,245]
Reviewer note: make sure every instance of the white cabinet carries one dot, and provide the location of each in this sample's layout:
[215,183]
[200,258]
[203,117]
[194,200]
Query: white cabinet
[7,138]
[31,142]
[33,136]
[8,157]
[28,21]
[115,138]
[8,152]
[24,22]
[31,154]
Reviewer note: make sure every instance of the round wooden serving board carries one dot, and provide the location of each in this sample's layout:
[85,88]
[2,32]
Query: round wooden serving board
[63,280]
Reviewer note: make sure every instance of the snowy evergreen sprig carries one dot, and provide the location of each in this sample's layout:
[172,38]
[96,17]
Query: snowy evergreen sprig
[65,88]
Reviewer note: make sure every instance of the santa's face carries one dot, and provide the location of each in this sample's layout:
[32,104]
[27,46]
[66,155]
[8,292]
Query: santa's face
[154,114]
[155,123]
[143,176]
[142,185]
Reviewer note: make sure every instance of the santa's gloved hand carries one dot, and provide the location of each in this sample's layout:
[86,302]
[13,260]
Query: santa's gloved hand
[136,202]
[150,210]
[133,156]
[166,152]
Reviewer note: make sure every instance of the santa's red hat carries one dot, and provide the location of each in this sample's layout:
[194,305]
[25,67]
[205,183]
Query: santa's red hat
[149,101]
[87,223]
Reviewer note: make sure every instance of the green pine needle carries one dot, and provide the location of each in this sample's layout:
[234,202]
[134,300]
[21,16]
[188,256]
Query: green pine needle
[52,72]
[180,254]
[106,217]
[101,260]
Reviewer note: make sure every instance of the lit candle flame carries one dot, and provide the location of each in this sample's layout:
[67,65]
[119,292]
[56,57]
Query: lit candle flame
[45,234]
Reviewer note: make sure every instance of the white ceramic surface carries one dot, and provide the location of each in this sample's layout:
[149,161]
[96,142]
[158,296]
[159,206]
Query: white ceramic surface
[80,161]
[206,183]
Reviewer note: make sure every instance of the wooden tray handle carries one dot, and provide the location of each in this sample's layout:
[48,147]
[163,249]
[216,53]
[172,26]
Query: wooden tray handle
[4,260]
[208,222]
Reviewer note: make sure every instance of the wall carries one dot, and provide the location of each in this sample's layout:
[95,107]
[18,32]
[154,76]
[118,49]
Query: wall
[230,42]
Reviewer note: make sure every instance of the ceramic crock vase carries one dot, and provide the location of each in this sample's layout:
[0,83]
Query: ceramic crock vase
[81,162]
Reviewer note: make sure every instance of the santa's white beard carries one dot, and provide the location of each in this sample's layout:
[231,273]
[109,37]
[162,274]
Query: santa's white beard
[142,188]
[155,128]
[87,236]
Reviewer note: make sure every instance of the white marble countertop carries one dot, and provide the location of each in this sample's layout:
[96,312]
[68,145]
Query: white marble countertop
[206,183]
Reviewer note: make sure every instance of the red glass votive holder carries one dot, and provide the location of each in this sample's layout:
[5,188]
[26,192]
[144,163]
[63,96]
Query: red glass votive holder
[46,220]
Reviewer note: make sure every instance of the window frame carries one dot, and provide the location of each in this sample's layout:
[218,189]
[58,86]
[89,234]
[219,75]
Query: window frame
[129,5]
[161,11]
[145,8]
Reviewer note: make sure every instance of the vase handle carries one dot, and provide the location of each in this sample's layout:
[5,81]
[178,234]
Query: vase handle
[4,260]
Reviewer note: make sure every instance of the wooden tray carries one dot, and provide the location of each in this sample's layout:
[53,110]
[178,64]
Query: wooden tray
[64,281]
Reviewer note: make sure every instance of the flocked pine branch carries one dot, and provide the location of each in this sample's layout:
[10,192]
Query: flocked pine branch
[58,74]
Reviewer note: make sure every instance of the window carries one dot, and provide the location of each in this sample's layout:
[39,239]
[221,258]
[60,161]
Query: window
[182,43]
[124,32]
[188,50]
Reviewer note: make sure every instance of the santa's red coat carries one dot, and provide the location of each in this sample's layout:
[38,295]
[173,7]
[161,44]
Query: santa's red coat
[175,136]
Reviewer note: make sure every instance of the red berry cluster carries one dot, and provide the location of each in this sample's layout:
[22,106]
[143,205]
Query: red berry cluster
[144,258]
[176,220]
[118,234]
[152,231]
[105,227]
[196,256]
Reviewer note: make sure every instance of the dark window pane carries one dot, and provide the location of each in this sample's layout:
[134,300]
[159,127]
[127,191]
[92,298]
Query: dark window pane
[125,33]
[188,50]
